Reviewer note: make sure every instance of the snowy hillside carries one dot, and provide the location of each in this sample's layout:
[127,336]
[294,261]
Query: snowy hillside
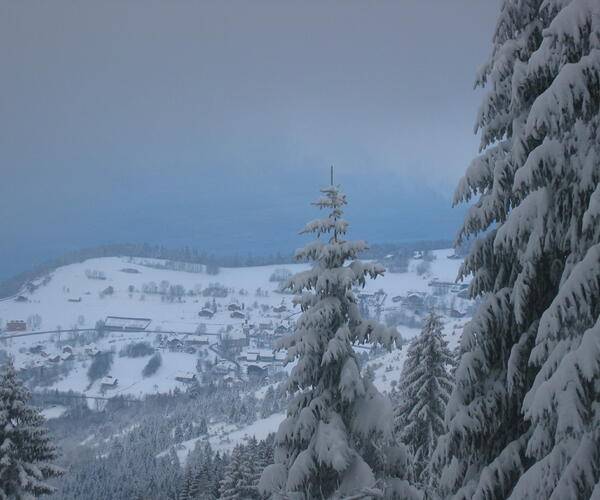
[242,304]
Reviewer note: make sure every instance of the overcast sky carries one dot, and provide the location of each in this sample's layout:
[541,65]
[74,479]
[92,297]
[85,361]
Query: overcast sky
[212,124]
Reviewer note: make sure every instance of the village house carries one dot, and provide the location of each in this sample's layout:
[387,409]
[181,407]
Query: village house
[186,377]
[108,382]
[16,325]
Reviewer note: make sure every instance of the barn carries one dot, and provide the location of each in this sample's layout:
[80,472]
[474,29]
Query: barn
[108,382]
[16,325]
[122,323]
[186,377]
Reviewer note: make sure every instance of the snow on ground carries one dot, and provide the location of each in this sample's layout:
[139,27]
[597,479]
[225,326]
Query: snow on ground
[224,437]
[72,299]
[53,411]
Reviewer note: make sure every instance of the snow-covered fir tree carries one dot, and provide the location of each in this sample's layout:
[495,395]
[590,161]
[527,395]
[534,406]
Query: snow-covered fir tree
[26,449]
[233,477]
[524,417]
[424,388]
[337,437]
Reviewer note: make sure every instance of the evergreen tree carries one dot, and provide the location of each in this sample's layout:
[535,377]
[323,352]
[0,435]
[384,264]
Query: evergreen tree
[232,476]
[336,437]
[425,387]
[25,447]
[523,419]
[248,471]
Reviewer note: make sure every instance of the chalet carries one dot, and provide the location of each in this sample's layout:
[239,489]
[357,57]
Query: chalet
[16,325]
[108,382]
[174,343]
[415,301]
[66,356]
[280,309]
[67,349]
[237,315]
[280,356]
[55,358]
[234,307]
[265,326]
[197,340]
[187,377]
[206,313]
[281,330]
[121,323]
[267,356]
[234,339]
[252,356]
[92,351]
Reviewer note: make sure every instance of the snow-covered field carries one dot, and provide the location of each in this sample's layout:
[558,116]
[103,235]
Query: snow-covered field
[71,299]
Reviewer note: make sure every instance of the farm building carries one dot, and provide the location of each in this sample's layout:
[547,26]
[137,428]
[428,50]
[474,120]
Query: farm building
[234,339]
[252,356]
[186,377]
[108,382]
[174,343]
[266,356]
[281,330]
[16,325]
[197,340]
[121,323]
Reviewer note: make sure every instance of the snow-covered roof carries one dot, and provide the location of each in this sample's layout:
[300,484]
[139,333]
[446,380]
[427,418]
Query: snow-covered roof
[109,380]
[126,323]
[185,376]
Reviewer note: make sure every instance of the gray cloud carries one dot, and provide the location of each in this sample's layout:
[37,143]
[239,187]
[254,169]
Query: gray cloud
[117,114]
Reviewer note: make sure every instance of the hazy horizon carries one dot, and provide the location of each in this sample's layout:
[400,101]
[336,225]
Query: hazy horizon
[214,125]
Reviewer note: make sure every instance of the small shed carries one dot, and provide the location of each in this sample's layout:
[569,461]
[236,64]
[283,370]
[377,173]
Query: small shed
[187,377]
[108,382]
